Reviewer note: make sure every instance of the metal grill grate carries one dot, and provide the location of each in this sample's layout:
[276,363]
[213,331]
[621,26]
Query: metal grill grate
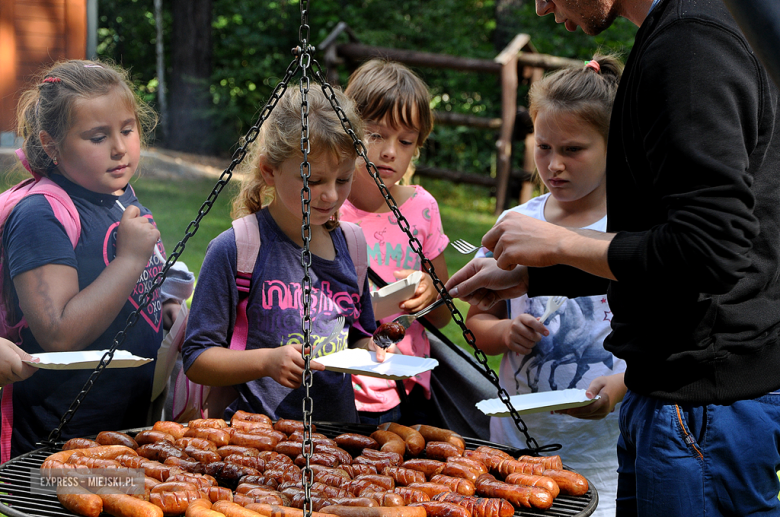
[18,500]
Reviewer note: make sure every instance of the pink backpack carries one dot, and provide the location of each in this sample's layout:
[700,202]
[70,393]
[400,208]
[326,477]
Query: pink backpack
[191,400]
[66,213]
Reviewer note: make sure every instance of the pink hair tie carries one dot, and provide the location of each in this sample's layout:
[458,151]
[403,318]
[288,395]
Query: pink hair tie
[52,80]
[594,65]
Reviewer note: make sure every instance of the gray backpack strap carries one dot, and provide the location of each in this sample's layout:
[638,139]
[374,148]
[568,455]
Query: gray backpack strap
[358,250]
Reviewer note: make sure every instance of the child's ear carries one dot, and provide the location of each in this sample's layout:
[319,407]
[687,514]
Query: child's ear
[49,146]
[267,171]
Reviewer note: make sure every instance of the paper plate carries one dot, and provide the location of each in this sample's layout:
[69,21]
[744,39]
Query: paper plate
[385,301]
[536,402]
[86,360]
[362,362]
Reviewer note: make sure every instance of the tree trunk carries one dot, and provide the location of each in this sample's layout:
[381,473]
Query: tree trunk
[190,130]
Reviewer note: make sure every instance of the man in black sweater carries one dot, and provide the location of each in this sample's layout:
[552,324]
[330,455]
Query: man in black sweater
[691,258]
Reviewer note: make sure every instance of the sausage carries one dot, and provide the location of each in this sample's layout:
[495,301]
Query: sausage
[288,427]
[93,463]
[518,495]
[479,506]
[228,474]
[207,423]
[442,509]
[246,425]
[201,508]
[318,458]
[188,464]
[106,452]
[174,486]
[496,452]
[340,454]
[175,503]
[426,466]
[260,442]
[218,493]
[158,471]
[219,436]
[316,438]
[356,486]
[251,417]
[412,495]
[202,455]
[200,480]
[288,448]
[116,438]
[355,469]
[431,488]
[570,483]
[460,471]
[79,443]
[549,462]
[477,466]
[395,458]
[389,441]
[388,333]
[548,483]
[491,461]
[377,511]
[414,440]
[458,485]
[441,450]
[437,434]
[355,442]
[404,476]
[247,461]
[123,505]
[237,450]
[265,497]
[353,501]
[174,429]
[271,510]
[158,451]
[331,479]
[232,509]
[130,461]
[150,483]
[198,443]
[61,456]
[80,501]
[152,436]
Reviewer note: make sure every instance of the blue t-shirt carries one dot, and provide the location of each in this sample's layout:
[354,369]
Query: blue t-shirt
[120,398]
[275,312]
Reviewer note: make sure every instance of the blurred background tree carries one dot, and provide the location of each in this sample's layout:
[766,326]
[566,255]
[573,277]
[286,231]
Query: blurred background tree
[221,78]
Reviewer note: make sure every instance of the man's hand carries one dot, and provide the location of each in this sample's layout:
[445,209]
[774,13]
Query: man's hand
[482,283]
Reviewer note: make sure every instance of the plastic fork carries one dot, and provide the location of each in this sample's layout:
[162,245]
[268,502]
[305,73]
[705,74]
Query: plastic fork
[553,304]
[464,247]
[333,335]
[407,319]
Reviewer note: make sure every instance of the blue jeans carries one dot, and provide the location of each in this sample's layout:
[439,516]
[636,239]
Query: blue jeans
[713,460]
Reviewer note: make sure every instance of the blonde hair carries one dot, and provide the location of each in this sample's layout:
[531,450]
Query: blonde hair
[389,89]
[586,92]
[49,104]
[280,140]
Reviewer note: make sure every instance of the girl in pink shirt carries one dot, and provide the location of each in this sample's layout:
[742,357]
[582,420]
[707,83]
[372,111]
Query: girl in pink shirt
[395,105]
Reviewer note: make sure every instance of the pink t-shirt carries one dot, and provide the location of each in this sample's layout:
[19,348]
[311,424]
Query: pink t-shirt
[388,251]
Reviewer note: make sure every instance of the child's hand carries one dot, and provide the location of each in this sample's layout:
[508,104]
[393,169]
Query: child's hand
[381,353]
[136,236]
[12,369]
[524,333]
[170,310]
[285,365]
[423,296]
[610,388]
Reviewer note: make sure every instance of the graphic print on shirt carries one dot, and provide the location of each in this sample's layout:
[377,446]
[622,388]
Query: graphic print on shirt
[571,341]
[281,312]
[153,311]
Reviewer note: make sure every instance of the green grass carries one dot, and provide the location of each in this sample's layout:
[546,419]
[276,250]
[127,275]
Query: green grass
[467,213]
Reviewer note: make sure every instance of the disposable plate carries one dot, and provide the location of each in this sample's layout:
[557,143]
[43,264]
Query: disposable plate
[86,359]
[362,362]
[536,402]
[385,301]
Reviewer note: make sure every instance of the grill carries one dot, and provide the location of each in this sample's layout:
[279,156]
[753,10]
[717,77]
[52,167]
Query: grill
[18,500]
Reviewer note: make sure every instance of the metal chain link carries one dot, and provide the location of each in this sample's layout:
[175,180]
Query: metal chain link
[427,265]
[192,228]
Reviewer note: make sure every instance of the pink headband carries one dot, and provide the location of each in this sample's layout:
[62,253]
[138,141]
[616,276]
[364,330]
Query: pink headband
[594,65]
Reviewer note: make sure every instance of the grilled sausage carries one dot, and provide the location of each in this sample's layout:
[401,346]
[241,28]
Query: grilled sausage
[477,466]
[207,423]
[411,495]
[356,469]
[431,488]
[414,440]
[548,483]
[202,455]
[220,437]
[123,505]
[288,427]
[80,501]
[261,442]
[198,443]
[201,508]
[251,417]
[355,442]
[79,443]
[174,486]
[518,495]
[404,476]
[458,485]
[437,434]
[479,506]
[174,429]
[549,462]
[570,483]
[152,436]
[106,452]
[395,458]
[426,466]
[441,450]
[175,503]
[116,438]
[378,511]
[389,441]
[442,509]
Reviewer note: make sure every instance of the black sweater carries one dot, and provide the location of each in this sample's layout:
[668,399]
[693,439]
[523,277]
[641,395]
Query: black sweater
[693,195]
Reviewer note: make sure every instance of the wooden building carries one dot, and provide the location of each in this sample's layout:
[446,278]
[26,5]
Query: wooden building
[34,33]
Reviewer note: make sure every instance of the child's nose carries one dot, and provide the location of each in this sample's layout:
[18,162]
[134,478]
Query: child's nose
[388,150]
[557,163]
[119,148]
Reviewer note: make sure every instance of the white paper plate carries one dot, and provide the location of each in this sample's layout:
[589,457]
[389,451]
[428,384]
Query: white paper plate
[363,362]
[536,402]
[385,301]
[86,359]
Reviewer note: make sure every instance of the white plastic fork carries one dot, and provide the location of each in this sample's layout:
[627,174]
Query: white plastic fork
[464,247]
[553,304]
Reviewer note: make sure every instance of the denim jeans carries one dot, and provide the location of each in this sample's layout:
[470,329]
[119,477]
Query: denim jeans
[684,460]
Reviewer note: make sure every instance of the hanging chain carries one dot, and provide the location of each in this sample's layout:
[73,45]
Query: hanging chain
[426,263]
[307,446]
[192,228]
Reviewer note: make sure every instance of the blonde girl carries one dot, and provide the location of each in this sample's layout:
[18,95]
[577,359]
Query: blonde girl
[269,372]
[82,126]
[571,110]
[395,105]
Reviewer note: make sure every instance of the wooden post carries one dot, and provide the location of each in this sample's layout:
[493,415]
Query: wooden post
[8,71]
[75,29]
[533,74]
[508,61]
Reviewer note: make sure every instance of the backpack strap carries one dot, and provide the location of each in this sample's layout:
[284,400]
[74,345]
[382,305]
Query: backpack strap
[358,250]
[247,233]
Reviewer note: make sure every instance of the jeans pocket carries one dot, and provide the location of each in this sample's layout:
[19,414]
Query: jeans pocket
[692,426]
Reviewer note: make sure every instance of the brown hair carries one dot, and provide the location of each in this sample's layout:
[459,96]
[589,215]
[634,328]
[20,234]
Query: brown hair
[280,140]
[384,88]
[48,105]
